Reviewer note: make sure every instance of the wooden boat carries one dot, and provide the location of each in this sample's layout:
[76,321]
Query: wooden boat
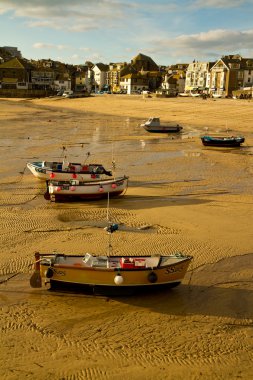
[75,189]
[153,125]
[65,170]
[223,141]
[109,274]
[119,274]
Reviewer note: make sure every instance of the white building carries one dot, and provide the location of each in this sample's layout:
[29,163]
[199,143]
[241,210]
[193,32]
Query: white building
[198,76]
[100,75]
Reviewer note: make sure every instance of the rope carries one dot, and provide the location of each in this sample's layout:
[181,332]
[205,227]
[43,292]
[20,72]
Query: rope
[7,279]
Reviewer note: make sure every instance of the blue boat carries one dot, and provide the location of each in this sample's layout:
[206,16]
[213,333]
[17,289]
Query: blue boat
[224,141]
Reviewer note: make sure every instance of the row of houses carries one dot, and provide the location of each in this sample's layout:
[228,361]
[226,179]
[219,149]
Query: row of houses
[223,77]
[228,74]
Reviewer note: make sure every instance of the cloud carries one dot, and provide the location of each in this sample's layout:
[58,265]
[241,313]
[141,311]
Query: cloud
[65,9]
[41,45]
[218,3]
[204,45]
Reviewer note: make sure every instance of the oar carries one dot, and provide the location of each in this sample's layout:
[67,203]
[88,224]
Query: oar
[35,280]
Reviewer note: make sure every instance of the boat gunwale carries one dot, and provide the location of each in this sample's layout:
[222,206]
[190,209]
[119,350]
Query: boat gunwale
[119,268]
[52,182]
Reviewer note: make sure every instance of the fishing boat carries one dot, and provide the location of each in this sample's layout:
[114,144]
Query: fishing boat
[118,275]
[76,190]
[153,125]
[223,141]
[64,170]
[109,274]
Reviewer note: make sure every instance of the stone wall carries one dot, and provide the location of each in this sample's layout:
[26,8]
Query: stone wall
[18,93]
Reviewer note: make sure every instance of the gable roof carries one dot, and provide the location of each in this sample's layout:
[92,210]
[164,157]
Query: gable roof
[102,66]
[16,63]
[144,58]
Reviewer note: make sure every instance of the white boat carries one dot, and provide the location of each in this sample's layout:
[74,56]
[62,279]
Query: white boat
[195,94]
[153,125]
[64,170]
[75,189]
[184,94]
[216,95]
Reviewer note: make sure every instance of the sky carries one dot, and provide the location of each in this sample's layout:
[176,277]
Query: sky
[168,31]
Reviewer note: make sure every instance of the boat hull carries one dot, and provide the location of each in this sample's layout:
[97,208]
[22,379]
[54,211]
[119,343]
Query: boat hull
[162,129]
[70,191]
[222,142]
[109,290]
[70,272]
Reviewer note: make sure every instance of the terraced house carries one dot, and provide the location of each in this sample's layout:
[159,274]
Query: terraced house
[198,76]
[232,73]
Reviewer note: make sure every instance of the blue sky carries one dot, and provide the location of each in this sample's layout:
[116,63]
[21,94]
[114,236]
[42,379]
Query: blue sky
[172,31]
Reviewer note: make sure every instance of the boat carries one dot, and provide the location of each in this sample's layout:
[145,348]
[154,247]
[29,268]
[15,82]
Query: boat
[64,170]
[195,94]
[223,141]
[216,95]
[75,189]
[117,275]
[153,125]
[184,94]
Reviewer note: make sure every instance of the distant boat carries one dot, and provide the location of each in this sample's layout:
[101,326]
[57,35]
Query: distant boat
[75,189]
[184,94]
[195,94]
[224,141]
[153,125]
[216,95]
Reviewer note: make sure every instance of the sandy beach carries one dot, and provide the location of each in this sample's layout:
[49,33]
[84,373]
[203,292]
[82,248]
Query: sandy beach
[194,199]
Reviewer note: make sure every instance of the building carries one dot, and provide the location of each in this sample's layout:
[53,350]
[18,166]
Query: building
[231,73]
[100,76]
[15,74]
[140,75]
[174,79]
[13,51]
[114,74]
[198,77]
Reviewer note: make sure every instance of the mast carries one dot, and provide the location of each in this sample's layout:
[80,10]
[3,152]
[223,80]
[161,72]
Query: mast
[111,227]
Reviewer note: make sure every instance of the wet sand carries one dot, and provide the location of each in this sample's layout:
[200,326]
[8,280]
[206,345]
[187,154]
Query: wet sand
[194,199]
